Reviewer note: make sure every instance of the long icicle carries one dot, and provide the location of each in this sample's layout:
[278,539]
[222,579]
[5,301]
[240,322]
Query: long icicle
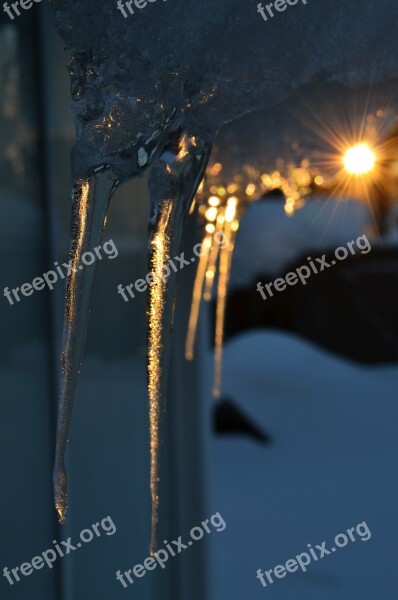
[197,297]
[91,198]
[174,181]
[157,306]
[226,254]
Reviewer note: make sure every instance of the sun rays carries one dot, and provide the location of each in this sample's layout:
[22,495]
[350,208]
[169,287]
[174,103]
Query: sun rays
[354,155]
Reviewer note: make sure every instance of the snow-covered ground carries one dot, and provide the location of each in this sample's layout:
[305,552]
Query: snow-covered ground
[332,464]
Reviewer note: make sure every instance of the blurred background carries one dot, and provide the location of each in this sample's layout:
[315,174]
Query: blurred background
[299,443]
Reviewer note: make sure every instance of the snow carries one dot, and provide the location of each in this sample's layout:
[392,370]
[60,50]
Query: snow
[332,465]
[268,240]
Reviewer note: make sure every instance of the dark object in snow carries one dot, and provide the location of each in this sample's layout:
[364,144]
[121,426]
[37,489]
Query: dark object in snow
[229,420]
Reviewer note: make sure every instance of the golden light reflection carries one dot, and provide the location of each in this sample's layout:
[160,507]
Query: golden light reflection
[221,224]
[213,256]
[216,169]
[71,304]
[221,301]
[210,228]
[81,224]
[61,505]
[192,207]
[211,272]
[231,209]
[184,149]
[221,212]
[160,244]
[211,213]
[197,298]
[289,207]
[250,189]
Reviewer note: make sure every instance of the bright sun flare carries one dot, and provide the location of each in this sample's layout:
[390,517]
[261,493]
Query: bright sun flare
[359,159]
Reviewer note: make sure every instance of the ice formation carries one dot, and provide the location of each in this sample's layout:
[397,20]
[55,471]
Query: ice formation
[157,87]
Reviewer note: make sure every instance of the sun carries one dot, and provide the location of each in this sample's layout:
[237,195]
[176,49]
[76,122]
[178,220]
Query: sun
[359,159]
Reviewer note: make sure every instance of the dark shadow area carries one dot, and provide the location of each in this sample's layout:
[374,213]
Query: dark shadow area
[348,309]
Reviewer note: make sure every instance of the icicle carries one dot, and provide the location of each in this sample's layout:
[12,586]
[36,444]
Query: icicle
[157,306]
[91,198]
[207,267]
[174,181]
[213,258]
[197,297]
[226,254]
[223,223]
